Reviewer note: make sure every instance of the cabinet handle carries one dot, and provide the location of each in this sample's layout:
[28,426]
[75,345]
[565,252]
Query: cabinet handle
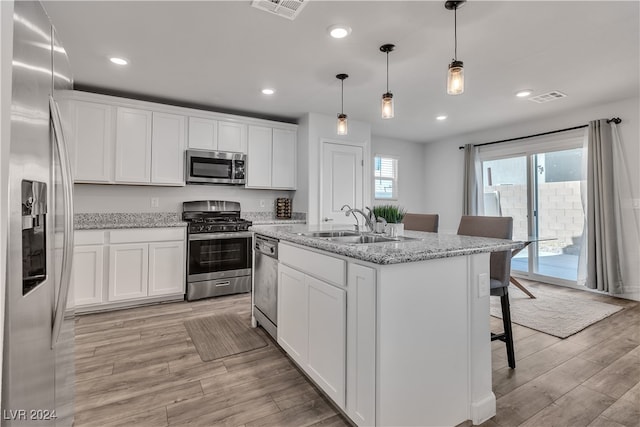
[327,219]
[223,283]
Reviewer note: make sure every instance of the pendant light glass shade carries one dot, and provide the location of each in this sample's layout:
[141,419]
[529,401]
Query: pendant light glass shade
[387,106]
[387,98]
[343,128]
[455,78]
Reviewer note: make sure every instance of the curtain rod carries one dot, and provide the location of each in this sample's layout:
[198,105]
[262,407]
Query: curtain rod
[616,120]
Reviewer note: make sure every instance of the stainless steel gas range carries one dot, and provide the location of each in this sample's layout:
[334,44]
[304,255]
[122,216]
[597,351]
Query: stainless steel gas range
[218,249]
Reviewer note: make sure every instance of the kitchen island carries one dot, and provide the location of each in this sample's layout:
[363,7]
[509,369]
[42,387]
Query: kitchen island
[396,332]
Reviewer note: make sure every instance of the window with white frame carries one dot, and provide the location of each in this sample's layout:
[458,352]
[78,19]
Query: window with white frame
[386,177]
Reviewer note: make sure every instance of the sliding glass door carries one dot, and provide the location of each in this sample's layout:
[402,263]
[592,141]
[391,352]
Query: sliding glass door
[540,189]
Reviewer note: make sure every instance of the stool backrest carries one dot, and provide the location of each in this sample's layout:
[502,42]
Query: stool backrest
[421,222]
[499,227]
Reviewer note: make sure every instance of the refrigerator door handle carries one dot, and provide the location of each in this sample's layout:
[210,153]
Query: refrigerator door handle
[67,251]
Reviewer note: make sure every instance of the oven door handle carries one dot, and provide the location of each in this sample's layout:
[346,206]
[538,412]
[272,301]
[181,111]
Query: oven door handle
[220,236]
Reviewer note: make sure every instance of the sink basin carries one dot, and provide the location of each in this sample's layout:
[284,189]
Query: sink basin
[331,233]
[367,238]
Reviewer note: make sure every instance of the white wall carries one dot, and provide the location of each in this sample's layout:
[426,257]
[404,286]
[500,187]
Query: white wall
[443,163]
[411,171]
[6,55]
[313,128]
[90,198]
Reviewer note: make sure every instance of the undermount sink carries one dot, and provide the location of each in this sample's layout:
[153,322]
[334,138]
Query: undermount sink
[353,237]
[368,238]
[331,233]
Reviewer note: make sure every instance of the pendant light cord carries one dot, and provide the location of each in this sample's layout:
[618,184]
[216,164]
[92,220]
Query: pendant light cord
[342,96]
[387,71]
[455,33]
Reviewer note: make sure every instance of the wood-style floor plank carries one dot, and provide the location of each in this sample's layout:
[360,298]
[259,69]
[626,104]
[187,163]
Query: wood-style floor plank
[138,367]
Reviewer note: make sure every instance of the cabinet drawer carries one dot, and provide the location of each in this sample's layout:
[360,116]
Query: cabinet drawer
[93,237]
[319,265]
[131,235]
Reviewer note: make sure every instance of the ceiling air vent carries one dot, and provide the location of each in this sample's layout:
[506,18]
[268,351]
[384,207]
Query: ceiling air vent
[546,97]
[286,8]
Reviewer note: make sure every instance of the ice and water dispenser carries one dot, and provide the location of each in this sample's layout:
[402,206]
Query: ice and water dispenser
[34,232]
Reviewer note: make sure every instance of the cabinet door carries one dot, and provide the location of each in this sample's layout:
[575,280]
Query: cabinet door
[133,146]
[203,133]
[92,142]
[232,137]
[327,336]
[128,271]
[292,313]
[88,274]
[361,345]
[259,157]
[166,268]
[284,159]
[167,149]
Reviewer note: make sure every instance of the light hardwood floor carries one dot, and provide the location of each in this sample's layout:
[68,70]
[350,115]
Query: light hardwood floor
[139,367]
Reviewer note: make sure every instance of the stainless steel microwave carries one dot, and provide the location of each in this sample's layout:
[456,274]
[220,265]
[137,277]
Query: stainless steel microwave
[215,167]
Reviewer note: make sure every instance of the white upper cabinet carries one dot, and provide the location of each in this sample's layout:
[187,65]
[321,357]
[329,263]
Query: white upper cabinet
[126,141]
[133,146]
[283,173]
[167,149]
[259,157]
[271,158]
[92,141]
[203,133]
[232,137]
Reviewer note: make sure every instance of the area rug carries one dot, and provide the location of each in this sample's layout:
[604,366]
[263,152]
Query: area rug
[560,312]
[222,335]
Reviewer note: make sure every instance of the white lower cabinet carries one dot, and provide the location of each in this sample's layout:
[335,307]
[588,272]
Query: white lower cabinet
[120,267]
[166,276]
[293,322]
[128,271]
[361,344]
[327,337]
[88,275]
[327,324]
[312,324]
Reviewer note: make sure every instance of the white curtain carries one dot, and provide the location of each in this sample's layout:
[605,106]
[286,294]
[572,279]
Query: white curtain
[599,264]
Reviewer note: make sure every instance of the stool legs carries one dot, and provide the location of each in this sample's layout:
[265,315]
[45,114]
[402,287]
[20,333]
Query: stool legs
[508,333]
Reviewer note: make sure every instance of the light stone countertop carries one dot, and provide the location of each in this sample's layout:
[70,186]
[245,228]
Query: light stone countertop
[426,246]
[101,221]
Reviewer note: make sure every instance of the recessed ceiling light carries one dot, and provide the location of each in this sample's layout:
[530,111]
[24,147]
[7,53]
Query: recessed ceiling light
[268,91]
[524,93]
[441,118]
[339,31]
[118,61]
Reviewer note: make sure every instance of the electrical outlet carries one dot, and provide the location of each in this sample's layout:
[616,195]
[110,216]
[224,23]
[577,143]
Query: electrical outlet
[483,285]
[636,203]
[262,203]
[155,202]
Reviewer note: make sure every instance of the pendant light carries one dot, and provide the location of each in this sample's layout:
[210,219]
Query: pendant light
[387,98]
[455,77]
[342,118]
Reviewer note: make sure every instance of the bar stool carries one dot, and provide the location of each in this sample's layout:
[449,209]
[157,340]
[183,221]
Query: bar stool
[499,270]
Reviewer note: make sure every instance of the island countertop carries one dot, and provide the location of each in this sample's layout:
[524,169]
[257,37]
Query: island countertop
[422,246]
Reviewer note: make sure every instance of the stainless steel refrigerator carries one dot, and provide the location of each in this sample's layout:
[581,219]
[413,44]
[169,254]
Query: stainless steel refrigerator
[38,354]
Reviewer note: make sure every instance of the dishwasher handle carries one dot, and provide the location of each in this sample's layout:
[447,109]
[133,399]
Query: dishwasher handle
[266,246]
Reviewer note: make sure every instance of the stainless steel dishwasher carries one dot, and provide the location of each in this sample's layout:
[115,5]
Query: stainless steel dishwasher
[265,285]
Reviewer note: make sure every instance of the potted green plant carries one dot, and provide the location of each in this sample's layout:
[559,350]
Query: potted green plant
[393,215]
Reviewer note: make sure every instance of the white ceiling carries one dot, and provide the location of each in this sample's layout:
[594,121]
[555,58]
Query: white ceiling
[220,54]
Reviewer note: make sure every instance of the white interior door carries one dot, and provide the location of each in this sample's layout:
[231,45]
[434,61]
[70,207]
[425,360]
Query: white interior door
[342,181]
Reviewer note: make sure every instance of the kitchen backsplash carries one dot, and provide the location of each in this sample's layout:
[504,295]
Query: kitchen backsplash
[90,198]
